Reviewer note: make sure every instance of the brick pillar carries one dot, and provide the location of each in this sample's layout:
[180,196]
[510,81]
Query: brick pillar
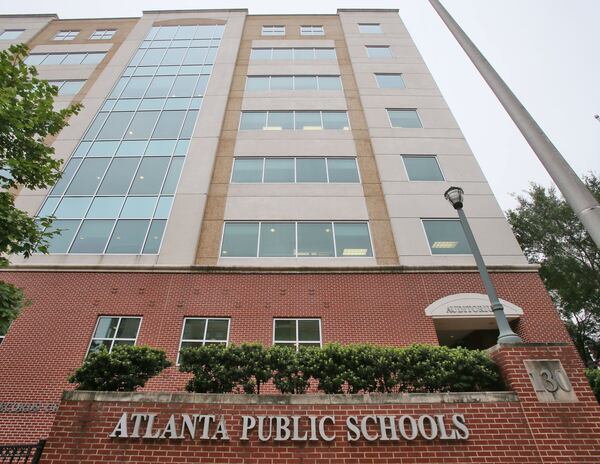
[557,402]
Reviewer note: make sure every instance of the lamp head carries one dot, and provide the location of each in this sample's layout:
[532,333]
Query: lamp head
[455,196]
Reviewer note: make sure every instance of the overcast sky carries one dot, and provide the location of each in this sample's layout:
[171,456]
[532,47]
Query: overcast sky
[548,51]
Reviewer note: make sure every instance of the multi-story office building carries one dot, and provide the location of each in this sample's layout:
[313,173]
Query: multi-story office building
[235,178]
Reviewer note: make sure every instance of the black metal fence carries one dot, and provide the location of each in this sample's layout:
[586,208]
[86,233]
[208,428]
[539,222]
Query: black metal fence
[21,454]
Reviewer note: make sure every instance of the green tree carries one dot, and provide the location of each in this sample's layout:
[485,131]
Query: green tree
[27,118]
[553,237]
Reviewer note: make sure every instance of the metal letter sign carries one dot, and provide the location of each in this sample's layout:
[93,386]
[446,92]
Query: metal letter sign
[550,380]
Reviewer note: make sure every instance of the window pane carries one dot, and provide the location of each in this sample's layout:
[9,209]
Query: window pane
[173,175]
[315,239]
[153,57]
[195,56]
[177,103]
[160,86]
[304,54]
[128,327]
[352,239]
[379,52]
[92,236]
[342,170]
[166,32]
[34,59]
[95,126]
[103,149]
[390,81]
[308,331]
[126,105]
[305,83]
[446,237]
[335,120]
[282,54]
[115,126]
[279,170]
[174,56]
[132,148]
[150,175]
[57,58]
[136,87]
[163,207]
[73,207]
[66,177]
[88,177]
[217,329]
[253,120]
[247,170]
[285,330]
[139,207]
[154,236]
[184,86]
[422,168]
[97,345]
[119,176]
[160,147]
[106,328]
[370,28]
[330,83]
[141,125]
[71,87]
[308,120]
[128,236]
[240,239]
[60,243]
[311,170]
[405,119]
[201,86]
[277,239]
[260,54]
[105,207]
[282,83]
[325,54]
[280,120]
[188,124]
[49,206]
[257,83]
[169,125]
[93,58]
[194,329]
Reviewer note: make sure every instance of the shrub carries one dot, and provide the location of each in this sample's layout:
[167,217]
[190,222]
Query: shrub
[215,368]
[254,366]
[125,368]
[593,376]
[286,365]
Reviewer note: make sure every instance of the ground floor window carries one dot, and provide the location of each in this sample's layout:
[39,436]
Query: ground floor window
[113,330]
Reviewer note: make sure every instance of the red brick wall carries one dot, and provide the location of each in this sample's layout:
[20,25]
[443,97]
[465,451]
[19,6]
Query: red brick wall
[49,340]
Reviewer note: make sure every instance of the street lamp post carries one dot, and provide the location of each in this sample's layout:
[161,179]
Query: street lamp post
[506,336]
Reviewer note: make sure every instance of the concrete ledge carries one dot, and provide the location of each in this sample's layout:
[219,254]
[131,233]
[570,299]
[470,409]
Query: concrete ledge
[209,398]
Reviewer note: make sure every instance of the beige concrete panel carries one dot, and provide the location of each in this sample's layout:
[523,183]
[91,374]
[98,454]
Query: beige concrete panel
[403,100]
[283,43]
[399,53]
[437,118]
[183,230]
[63,72]
[78,124]
[294,136]
[398,134]
[306,190]
[68,47]
[297,262]
[32,25]
[377,117]
[220,86]
[434,205]
[267,68]
[295,102]
[413,85]
[422,145]
[282,147]
[392,66]
[313,96]
[87,260]
[461,168]
[431,188]
[394,40]
[30,203]
[296,208]
[210,117]
[196,172]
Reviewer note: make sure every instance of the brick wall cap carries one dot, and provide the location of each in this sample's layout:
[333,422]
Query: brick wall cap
[209,398]
[502,346]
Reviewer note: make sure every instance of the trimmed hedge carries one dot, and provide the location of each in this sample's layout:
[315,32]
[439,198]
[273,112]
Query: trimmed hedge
[339,369]
[125,368]
[593,376]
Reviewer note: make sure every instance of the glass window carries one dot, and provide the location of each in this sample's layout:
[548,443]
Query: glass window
[312,30]
[169,125]
[11,34]
[103,34]
[280,120]
[95,127]
[423,168]
[154,238]
[379,52]
[119,176]
[132,148]
[105,208]
[370,28]
[308,120]
[305,82]
[282,54]
[73,58]
[164,207]
[196,56]
[297,333]
[65,35]
[188,124]
[330,83]
[273,30]
[446,237]
[112,331]
[200,89]
[240,239]
[128,236]
[92,237]
[160,86]
[93,58]
[150,175]
[200,331]
[70,87]
[257,83]
[390,81]
[141,125]
[173,176]
[304,53]
[34,58]
[279,170]
[174,57]
[160,147]
[315,239]
[73,207]
[260,54]
[277,239]
[405,119]
[57,58]
[60,243]
[49,206]
[138,207]
[136,87]
[184,86]
[311,170]
[352,239]
[66,177]
[342,170]
[153,57]
[335,120]
[247,170]
[253,120]
[282,82]
[325,54]
[115,125]
[88,177]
